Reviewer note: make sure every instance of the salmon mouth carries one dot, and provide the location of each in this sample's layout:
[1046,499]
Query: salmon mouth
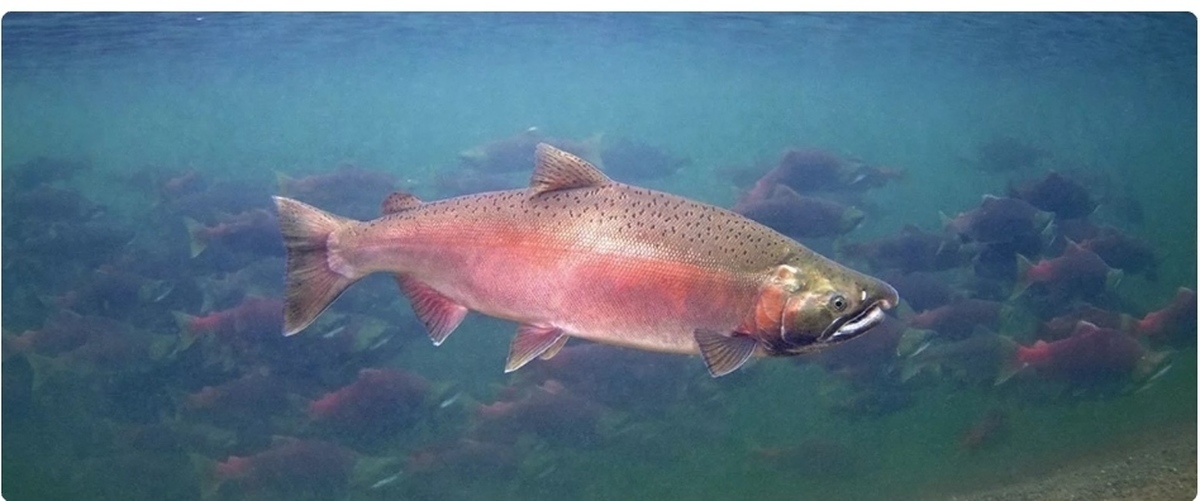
[846,328]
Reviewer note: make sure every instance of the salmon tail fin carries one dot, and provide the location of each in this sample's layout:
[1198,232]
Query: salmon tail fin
[187,334]
[1010,363]
[1152,365]
[206,470]
[311,283]
[1023,279]
[1113,279]
[195,236]
[947,222]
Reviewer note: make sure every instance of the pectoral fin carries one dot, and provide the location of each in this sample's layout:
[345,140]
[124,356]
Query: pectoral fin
[724,353]
[531,341]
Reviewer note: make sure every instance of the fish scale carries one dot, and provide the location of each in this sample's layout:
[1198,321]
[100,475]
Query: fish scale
[577,254]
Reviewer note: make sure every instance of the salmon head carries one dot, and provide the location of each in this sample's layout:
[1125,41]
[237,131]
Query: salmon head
[807,306]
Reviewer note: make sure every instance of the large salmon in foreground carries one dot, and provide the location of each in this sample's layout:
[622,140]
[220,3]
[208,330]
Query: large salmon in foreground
[578,254]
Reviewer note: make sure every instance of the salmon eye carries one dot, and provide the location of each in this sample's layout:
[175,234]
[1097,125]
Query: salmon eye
[838,303]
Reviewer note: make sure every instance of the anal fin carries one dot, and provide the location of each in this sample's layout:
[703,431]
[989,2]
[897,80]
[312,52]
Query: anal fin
[724,353]
[532,341]
[440,314]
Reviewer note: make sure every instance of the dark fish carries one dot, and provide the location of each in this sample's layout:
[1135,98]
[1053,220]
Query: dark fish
[49,204]
[1062,326]
[631,160]
[1056,193]
[219,198]
[517,153]
[1007,154]
[999,220]
[921,290]
[348,189]
[912,250]
[41,171]
[1129,254]
[464,455]
[255,396]
[255,231]
[982,359]
[805,170]
[798,216]
[469,181]
[989,430]
[959,319]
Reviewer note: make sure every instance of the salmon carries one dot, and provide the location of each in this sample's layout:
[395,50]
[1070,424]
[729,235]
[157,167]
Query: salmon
[577,254]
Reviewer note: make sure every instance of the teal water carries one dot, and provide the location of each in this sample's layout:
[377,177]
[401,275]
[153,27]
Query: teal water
[143,98]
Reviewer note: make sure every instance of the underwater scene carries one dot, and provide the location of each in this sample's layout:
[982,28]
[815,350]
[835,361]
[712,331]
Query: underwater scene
[181,189]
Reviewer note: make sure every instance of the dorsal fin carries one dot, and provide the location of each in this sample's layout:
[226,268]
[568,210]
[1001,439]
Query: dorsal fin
[559,170]
[398,202]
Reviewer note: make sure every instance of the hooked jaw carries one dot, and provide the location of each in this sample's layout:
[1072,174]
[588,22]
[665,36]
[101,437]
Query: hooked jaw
[883,298]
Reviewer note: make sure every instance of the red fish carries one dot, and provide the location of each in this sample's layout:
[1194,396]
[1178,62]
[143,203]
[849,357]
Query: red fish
[1177,319]
[549,411]
[62,332]
[1091,352]
[253,231]
[1077,270]
[378,398]
[308,467]
[254,318]
[254,395]
[577,254]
